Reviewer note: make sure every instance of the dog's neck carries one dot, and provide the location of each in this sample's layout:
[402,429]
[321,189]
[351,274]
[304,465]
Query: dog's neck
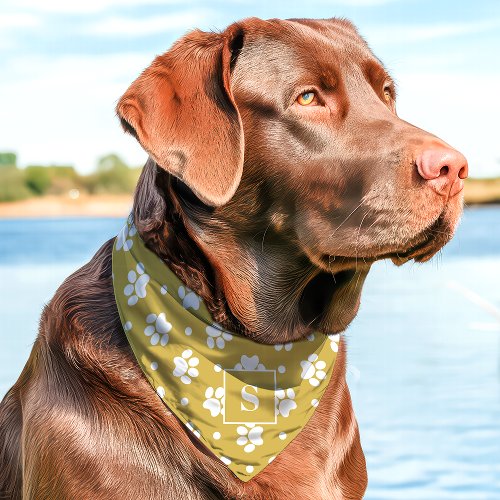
[253,276]
[247,286]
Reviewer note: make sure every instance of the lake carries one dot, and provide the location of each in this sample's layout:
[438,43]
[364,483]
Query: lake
[424,354]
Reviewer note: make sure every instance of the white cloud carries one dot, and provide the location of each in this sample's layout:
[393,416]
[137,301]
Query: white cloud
[85,6]
[387,34]
[15,20]
[362,3]
[148,26]
[13,24]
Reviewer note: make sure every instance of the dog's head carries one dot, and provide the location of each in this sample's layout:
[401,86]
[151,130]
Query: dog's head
[293,171]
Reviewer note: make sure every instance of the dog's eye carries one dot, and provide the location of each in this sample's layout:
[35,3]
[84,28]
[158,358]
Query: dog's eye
[306,98]
[387,94]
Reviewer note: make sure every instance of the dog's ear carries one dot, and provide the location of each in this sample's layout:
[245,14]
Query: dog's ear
[182,112]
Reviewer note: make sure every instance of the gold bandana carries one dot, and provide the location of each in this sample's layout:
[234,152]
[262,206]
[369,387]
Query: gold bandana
[243,400]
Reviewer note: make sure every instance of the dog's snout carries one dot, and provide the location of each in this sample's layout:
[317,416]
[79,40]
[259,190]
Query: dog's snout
[443,168]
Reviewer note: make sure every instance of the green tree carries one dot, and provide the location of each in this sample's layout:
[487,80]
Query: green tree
[113,175]
[8,159]
[12,184]
[37,179]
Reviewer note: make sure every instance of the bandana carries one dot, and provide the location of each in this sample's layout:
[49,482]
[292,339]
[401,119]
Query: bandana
[245,401]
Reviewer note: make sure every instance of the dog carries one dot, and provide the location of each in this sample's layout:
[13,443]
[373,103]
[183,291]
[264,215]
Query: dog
[278,172]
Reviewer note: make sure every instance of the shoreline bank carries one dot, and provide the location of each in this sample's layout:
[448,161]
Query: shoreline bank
[105,205]
[119,205]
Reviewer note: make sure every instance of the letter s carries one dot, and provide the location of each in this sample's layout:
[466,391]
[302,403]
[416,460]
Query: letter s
[251,398]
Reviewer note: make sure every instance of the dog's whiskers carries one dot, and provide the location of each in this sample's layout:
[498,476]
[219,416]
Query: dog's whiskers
[343,222]
[357,237]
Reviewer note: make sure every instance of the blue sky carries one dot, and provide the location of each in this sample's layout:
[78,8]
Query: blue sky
[66,62]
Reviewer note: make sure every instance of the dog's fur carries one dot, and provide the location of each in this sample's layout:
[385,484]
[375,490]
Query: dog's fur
[273,213]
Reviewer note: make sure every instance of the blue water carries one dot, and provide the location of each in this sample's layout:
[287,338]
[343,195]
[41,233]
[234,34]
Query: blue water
[424,354]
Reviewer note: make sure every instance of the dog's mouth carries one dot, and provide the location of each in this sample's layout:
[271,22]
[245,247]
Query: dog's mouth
[420,248]
[425,245]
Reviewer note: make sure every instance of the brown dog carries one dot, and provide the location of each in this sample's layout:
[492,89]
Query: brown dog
[278,173]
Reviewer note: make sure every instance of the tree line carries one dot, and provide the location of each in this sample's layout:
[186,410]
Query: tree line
[112,175]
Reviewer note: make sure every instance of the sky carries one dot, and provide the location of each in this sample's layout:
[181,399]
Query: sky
[65,63]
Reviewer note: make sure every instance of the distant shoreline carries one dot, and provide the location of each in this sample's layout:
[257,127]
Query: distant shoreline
[101,205]
[119,205]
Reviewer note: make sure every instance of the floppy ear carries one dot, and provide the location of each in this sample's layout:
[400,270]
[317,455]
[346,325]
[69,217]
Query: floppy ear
[182,112]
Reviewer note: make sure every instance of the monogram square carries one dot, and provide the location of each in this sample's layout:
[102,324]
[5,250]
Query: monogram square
[250,396]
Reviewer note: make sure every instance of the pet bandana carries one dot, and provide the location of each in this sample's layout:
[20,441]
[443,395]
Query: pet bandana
[245,401]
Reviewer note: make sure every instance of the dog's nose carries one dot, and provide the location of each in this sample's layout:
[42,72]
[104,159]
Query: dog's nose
[443,168]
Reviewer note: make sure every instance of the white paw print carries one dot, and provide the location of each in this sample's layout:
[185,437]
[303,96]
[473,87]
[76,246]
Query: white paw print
[189,298]
[214,401]
[250,436]
[158,328]
[288,346]
[123,239]
[286,402]
[313,370]
[249,363]
[137,281]
[185,366]
[334,341]
[217,336]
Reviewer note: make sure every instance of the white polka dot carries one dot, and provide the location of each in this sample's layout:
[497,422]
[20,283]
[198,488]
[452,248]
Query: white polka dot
[249,468]
[217,368]
[225,460]
[188,330]
[281,369]
[127,326]
[271,459]
[164,289]
[184,401]
[216,435]
[154,365]
[310,337]
[161,392]
[282,435]
[314,402]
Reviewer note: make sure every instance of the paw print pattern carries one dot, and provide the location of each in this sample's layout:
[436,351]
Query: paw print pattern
[250,436]
[214,401]
[334,341]
[136,288]
[217,336]
[285,402]
[185,366]
[249,363]
[288,346]
[313,370]
[123,239]
[189,298]
[157,329]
